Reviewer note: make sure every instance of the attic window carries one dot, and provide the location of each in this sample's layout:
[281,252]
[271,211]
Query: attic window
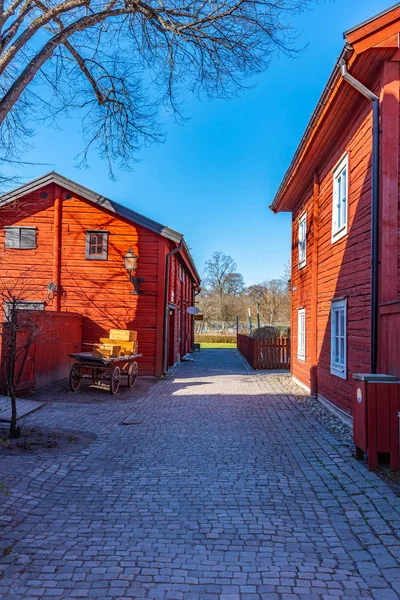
[97,245]
[23,238]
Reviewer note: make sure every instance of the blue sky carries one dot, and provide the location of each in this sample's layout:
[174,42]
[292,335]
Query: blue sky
[215,176]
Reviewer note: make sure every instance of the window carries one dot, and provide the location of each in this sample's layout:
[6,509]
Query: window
[301,334]
[302,240]
[340,198]
[21,305]
[338,338]
[181,273]
[23,238]
[97,245]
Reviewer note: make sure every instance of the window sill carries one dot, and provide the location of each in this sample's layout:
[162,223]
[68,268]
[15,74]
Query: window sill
[302,358]
[339,373]
[302,265]
[338,235]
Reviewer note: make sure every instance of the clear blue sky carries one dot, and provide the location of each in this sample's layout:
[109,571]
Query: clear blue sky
[215,176]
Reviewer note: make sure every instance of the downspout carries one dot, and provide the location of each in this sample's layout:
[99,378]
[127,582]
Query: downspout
[374,209]
[57,246]
[166,302]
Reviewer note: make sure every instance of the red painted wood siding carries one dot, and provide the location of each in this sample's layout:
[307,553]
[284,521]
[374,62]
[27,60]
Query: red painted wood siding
[47,361]
[343,266]
[97,289]
[180,298]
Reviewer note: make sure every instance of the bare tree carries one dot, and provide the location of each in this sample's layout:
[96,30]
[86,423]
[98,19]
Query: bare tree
[218,273]
[235,284]
[114,62]
[273,298]
[19,330]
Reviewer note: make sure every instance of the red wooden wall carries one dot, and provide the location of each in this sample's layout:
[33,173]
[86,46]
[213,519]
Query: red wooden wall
[98,290]
[47,361]
[181,296]
[343,269]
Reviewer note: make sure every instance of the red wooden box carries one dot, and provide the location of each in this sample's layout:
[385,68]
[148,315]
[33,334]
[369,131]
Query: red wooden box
[376,417]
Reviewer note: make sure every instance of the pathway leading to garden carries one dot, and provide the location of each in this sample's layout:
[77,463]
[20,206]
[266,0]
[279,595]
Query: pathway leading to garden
[224,488]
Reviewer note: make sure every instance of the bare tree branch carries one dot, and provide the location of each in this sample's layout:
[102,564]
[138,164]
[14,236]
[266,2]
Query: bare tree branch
[115,62]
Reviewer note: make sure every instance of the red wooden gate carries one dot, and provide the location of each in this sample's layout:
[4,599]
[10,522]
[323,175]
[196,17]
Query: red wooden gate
[46,360]
[268,353]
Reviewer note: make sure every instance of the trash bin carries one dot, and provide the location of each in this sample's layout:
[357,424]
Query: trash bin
[376,411]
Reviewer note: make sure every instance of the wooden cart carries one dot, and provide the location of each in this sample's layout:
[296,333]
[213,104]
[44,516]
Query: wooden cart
[103,370]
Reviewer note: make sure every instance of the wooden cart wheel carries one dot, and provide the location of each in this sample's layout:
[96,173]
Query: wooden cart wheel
[96,376]
[115,380]
[132,374]
[75,378]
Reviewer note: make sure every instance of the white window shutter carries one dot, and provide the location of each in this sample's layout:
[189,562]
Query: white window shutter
[12,237]
[28,238]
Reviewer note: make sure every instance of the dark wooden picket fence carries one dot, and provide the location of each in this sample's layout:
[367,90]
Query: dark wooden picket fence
[268,353]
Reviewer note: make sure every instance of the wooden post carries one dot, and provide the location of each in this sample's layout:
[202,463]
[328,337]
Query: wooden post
[57,241]
[314,292]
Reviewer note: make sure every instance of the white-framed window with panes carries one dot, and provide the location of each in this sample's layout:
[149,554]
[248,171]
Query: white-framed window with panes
[340,201]
[301,334]
[339,338]
[302,240]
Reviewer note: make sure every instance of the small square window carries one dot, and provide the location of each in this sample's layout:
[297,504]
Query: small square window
[340,199]
[22,238]
[302,240]
[339,338]
[97,245]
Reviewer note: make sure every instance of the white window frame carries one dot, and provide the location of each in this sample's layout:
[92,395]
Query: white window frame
[302,231]
[339,213]
[339,367]
[301,334]
[22,305]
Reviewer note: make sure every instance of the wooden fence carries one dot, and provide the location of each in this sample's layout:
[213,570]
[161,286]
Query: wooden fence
[46,360]
[268,353]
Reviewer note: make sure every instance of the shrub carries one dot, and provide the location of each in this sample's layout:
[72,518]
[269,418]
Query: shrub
[216,338]
[271,331]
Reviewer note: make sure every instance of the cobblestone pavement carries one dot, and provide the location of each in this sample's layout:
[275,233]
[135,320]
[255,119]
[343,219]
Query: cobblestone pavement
[223,489]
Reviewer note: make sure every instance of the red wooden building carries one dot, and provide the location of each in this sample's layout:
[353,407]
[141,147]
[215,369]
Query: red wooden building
[342,189]
[67,243]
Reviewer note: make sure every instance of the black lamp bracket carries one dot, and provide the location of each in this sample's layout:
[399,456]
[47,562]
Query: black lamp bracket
[136,281]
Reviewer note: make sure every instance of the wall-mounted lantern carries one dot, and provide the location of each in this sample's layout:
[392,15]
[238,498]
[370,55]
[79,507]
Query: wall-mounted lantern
[130,261]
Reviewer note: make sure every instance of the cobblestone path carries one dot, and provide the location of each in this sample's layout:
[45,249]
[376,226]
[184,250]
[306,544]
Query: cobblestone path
[223,489]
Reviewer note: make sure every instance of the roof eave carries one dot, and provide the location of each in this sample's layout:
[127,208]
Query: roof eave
[371,19]
[276,205]
[92,196]
[346,54]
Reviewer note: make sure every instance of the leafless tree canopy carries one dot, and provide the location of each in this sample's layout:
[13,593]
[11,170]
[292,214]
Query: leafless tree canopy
[115,61]
[225,297]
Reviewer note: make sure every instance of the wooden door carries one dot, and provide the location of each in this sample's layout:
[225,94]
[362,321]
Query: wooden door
[171,338]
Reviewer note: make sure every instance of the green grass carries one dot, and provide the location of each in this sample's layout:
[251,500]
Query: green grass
[217,345]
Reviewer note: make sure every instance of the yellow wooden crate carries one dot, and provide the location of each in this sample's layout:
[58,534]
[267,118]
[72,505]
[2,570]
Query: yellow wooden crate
[126,347]
[126,335]
[106,350]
